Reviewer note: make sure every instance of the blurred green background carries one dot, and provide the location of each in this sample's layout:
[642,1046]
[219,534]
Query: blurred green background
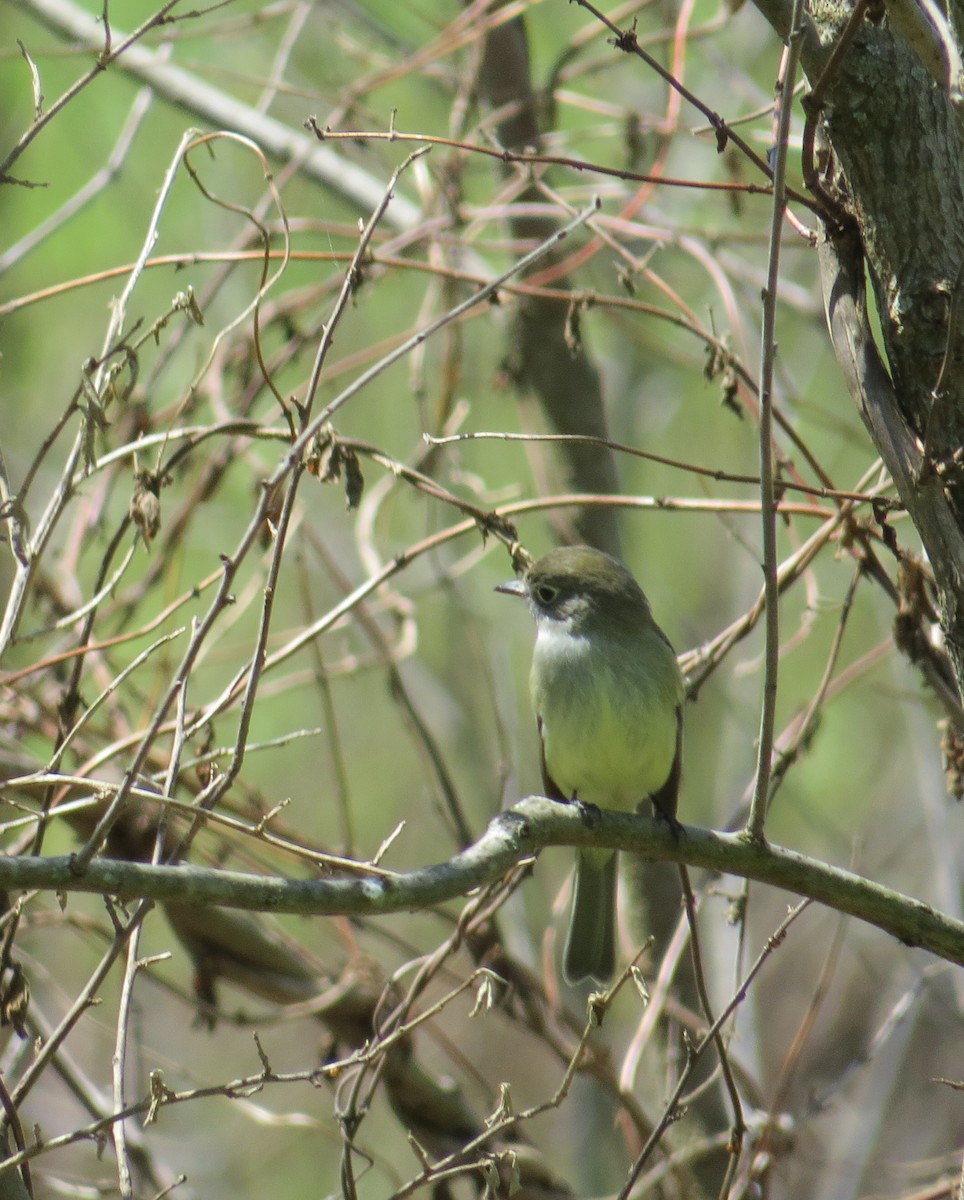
[867,789]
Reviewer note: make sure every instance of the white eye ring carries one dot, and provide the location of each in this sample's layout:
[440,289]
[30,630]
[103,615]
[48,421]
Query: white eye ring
[545,593]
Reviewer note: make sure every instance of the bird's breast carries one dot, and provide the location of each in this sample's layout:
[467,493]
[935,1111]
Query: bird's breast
[608,715]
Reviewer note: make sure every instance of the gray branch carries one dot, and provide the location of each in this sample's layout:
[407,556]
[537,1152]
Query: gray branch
[511,837]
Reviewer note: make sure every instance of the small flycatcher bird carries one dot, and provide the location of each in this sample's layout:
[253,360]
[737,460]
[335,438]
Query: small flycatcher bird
[607,694]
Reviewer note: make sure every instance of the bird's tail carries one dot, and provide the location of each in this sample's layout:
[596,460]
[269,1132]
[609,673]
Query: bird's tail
[591,941]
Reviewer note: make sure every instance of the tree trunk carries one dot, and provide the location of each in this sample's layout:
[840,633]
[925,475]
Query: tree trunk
[895,137]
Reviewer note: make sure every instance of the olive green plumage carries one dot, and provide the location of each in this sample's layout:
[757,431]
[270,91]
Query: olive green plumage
[607,694]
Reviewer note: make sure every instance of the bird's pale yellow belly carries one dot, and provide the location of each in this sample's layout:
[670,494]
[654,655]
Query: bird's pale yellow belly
[609,729]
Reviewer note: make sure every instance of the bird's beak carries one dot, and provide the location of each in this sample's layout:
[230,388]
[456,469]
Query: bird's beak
[515,587]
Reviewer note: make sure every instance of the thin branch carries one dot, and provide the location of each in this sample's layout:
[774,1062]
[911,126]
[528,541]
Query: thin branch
[520,158]
[671,1111]
[216,108]
[626,40]
[95,39]
[768,347]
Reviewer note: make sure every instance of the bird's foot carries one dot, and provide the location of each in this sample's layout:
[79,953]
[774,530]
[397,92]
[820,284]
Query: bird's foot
[669,818]
[590,814]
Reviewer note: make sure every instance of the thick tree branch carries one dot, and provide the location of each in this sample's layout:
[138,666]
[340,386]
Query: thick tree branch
[521,832]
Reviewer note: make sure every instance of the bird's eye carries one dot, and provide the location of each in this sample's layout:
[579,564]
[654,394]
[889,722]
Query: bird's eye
[545,593]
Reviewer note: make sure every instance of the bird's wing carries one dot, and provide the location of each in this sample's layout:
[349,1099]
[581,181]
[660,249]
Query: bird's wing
[549,785]
[666,799]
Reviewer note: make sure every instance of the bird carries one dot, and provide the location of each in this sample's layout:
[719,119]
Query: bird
[608,694]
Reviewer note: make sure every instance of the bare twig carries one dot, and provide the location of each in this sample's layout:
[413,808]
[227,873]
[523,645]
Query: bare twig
[761,792]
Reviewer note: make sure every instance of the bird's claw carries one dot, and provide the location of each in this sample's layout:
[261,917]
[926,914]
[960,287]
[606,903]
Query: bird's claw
[669,818]
[590,814]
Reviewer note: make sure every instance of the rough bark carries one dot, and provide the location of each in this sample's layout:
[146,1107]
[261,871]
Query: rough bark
[895,137]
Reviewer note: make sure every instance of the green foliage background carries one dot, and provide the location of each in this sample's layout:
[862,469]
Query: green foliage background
[866,792]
